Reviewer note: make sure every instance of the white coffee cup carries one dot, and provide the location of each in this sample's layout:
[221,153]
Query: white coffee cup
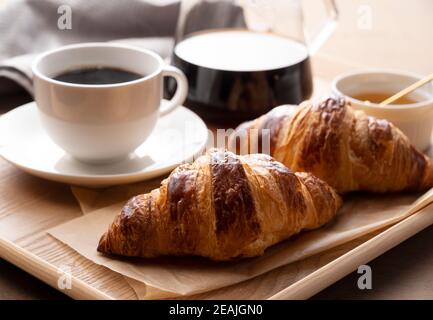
[103,123]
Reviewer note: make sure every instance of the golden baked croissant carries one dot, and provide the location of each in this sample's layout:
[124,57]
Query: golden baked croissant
[344,147]
[222,206]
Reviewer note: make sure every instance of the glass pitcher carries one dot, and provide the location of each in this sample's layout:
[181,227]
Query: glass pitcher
[244,57]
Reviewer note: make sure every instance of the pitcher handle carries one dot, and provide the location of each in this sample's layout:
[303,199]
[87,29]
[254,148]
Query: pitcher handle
[327,28]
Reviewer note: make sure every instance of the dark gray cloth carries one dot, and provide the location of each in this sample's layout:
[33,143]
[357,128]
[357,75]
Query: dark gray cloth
[28,27]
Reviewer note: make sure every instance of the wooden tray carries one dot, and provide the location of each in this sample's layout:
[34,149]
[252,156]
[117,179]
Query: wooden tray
[29,206]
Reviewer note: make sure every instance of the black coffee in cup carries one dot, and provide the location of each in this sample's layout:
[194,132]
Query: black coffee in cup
[240,74]
[97,75]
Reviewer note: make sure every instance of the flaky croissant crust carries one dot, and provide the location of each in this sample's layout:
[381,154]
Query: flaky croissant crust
[222,206]
[346,148]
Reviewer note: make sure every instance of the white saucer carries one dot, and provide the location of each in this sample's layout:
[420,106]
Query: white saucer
[178,137]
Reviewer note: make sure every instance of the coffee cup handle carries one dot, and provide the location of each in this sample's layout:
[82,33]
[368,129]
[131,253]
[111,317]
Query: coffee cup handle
[181,90]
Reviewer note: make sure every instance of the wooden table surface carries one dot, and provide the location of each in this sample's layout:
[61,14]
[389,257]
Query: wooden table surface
[398,35]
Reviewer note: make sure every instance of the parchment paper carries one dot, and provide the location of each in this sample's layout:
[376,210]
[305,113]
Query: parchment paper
[171,277]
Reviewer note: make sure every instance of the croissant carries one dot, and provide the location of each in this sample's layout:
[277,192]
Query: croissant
[222,207]
[344,147]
